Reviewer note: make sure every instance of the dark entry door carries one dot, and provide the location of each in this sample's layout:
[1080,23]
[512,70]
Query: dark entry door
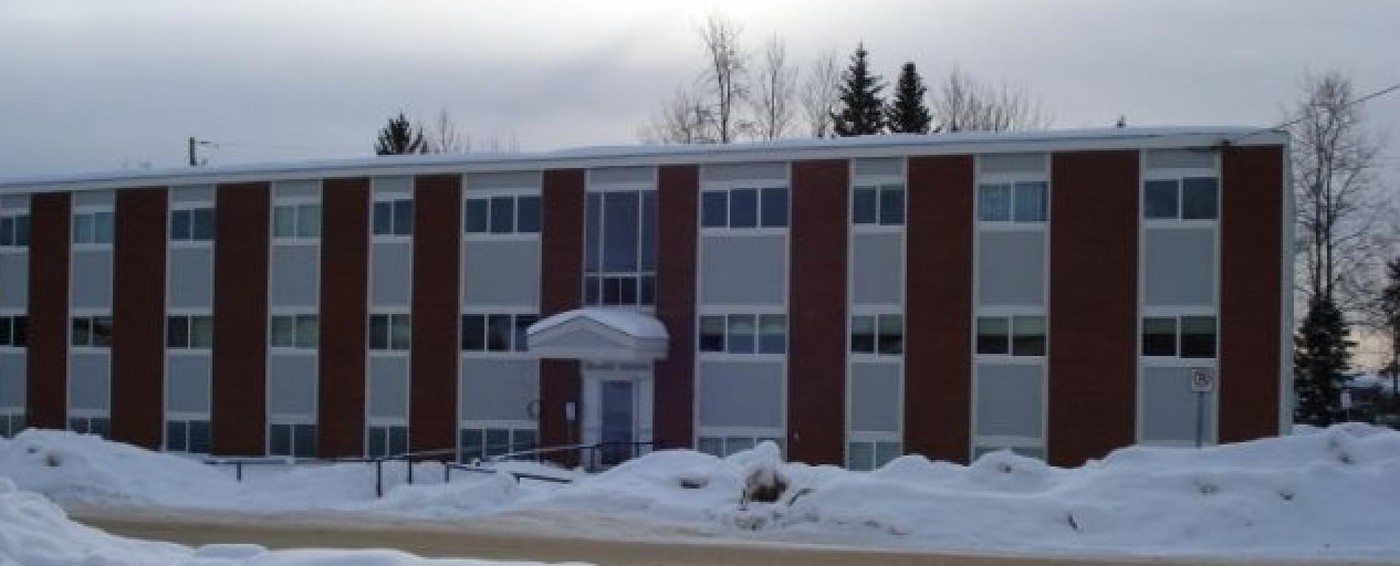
[618,420]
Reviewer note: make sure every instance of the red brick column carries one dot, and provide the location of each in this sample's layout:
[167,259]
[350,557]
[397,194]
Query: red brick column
[340,411]
[240,318]
[47,353]
[561,285]
[677,196]
[138,317]
[437,235]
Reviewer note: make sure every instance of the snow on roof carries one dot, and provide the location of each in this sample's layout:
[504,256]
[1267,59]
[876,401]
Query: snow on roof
[602,156]
[632,323]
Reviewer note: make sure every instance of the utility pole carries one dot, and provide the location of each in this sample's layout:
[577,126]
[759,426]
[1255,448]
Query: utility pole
[194,157]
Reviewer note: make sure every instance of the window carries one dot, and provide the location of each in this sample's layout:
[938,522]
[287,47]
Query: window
[189,331]
[1184,336]
[881,334]
[296,222]
[495,332]
[1015,335]
[192,225]
[92,227]
[190,436]
[389,331]
[11,423]
[387,440]
[878,204]
[295,440]
[393,217]
[744,208]
[1188,198]
[295,331]
[744,333]
[89,425]
[92,331]
[1023,201]
[723,446]
[14,331]
[482,443]
[505,214]
[14,231]
[866,456]
[620,248]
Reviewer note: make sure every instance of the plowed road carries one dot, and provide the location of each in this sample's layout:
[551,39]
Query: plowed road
[529,538]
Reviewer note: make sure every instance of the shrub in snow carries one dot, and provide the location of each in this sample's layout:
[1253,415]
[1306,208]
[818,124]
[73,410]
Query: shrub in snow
[764,484]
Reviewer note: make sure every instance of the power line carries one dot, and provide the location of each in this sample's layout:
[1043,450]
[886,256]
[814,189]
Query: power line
[1373,95]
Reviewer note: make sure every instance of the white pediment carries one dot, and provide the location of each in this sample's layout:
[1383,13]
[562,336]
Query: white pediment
[598,334]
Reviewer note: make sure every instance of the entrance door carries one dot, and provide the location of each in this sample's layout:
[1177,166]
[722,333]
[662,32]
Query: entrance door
[618,421]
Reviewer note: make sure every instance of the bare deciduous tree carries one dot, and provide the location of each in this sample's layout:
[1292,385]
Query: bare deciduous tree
[725,74]
[820,90]
[775,83]
[965,104]
[446,137]
[683,119]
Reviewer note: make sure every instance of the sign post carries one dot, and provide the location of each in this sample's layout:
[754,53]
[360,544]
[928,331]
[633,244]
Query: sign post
[1202,383]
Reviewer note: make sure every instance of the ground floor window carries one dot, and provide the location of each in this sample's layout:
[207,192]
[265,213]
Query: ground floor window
[479,443]
[187,435]
[726,445]
[297,440]
[386,440]
[99,425]
[867,455]
[11,422]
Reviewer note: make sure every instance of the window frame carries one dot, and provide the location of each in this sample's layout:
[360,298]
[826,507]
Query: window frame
[1179,317]
[393,201]
[13,224]
[514,346]
[191,209]
[391,318]
[296,206]
[11,322]
[1009,320]
[739,314]
[1179,178]
[488,196]
[760,190]
[1012,181]
[189,319]
[596,279]
[879,187]
[91,320]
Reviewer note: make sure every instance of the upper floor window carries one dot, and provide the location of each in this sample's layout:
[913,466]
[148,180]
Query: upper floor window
[296,221]
[1023,201]
[92,331]
[878,204]
[14,331]
[92,227]
[192,224]
[744,333]
[14,231]
[504,214]
[189,331]
[744,208]
[295,331]
[495,332]
[1178,336]
[1187,198]
[389,331]
[1011,335]
[393,217]
[881,334]
[620,248]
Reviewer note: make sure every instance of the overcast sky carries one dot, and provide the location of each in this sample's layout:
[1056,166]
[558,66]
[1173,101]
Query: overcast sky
[105,85]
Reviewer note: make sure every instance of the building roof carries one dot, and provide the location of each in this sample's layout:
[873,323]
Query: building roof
[635,155]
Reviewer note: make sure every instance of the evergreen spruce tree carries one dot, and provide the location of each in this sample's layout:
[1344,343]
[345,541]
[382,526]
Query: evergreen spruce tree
[400,137]
[862,109]
[1321,355]
[1390,325]
[907,114]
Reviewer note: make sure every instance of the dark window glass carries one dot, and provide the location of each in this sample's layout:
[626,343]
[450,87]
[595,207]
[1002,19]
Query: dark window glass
[992,335]
[1028,336]
[524,440]
[203,224]
[527,210]
[714,209]
[177,331]
[378,445]
[280,440]
[522,324]
[199,437]
[179,225]
[864,206]
[102,331]
[304,440]
[1159,199]
[591,291]
[384,217]
[497,441]
[21,331]
[627,290]
[863,334]
[378,332]
[308,330]
[892,205]
[646,290]
[102,228]
[283,331]
[400,330]
[1159,336]
[502,215]
[7,232]
[99,426]
[648,235]
[175,436]
[82,228]
[743,208]
[891,334]
[498,332]
[309,221]
[1198,337]
[772,334]
[1198,198]
[82,330]
[476,214]
[470,441]
[6,338]
[398,439]
[620,218]
[284,222]
[202,331]
[775,207]
[712,334]
[1030,202]
[612,291]
[593,222]
[742,332]
[403,217]
[21,230]
[473,332]
[78,425]
[994,203]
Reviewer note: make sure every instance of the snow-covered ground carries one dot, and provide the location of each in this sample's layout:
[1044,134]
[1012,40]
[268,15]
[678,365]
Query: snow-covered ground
[1329,493]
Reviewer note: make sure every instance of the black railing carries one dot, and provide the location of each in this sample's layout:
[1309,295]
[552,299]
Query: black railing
[591,457]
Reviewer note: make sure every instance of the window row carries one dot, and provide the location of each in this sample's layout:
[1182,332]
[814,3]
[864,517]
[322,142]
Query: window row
[1178,336]
[1012,202]
[94,331]
[744,333]
[866,456]
[296,221]
[1189,198]
[101,426]
[1011,335]
[508,214]
[92,227]
[627,290]
[495,332]
[294,440]
[744,208]
[11,424]
[14,331]
[390,331]
[482,443]
[881,334]
[14,231]
[883,205]
[386,440]
[393,217]
[295,331]
[190,436]
[192,225]
[724,446]
[189,331]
